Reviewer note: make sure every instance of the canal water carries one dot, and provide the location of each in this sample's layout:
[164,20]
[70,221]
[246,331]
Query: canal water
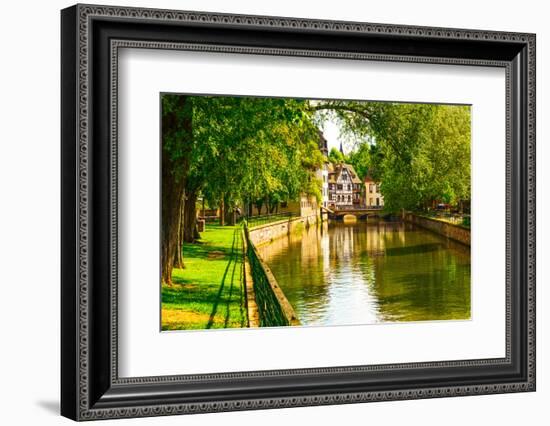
[372,272]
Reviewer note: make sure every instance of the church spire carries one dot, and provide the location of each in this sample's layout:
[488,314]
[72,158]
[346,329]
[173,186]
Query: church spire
[341,150]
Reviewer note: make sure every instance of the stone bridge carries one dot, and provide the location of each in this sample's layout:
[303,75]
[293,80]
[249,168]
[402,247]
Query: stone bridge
[359,213]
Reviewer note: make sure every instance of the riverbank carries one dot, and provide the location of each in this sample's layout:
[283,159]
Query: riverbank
[208,292]
[444,228]
[263,234]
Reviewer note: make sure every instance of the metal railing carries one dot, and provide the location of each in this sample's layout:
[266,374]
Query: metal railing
[273,307]
[253,221]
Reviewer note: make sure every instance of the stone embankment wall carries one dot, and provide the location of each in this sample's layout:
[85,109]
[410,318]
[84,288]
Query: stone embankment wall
[454,232]
[265,233]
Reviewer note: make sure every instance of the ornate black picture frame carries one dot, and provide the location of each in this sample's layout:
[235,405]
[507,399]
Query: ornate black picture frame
[91,36]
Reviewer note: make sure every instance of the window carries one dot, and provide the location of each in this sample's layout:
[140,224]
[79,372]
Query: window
[377,188]
[340,186]
[371,187]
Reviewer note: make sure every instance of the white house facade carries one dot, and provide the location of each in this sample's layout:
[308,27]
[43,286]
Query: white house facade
[373,196]
[344,187]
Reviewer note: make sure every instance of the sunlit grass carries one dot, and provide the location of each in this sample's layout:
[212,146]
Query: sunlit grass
[208,292]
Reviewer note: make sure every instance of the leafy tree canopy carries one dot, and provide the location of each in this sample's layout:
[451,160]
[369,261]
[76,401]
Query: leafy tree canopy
[419,152]
[246,148]
[335,156]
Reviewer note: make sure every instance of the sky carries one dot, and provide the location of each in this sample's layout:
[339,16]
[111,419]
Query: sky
[331,131]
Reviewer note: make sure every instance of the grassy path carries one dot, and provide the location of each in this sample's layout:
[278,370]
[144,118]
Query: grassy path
[208,292]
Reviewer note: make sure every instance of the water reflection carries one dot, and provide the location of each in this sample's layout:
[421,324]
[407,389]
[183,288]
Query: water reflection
[371,272]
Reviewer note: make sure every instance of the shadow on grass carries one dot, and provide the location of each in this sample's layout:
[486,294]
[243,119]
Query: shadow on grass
[180,297]
[234,254]
[211,284]
[201,250]
[222,284]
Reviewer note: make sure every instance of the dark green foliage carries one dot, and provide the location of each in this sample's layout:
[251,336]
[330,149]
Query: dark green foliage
[253,148]
[419,152]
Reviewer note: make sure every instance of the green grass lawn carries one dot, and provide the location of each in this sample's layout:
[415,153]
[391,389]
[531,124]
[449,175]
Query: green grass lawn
[208,292]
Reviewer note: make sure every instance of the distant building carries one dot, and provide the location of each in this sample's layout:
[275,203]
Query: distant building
[372,196]
[344,187]
[305,206]
[323,172]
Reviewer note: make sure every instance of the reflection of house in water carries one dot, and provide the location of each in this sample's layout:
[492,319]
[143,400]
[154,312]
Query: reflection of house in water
[379,234]
[375,238]
[342,243]
[371,272]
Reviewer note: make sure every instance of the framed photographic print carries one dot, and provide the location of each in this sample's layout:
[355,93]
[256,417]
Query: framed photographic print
[263,212]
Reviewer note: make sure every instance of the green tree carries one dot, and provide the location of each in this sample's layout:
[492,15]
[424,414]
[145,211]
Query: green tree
[253,149]
[419,152]
[231,150]
[361,159]
[335,156]
[177,128]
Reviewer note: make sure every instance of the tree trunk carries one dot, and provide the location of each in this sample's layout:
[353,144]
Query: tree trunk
[190,217]
[178,255]
[176,138]
[259,205]
[222,211]
[172,199]
[230,216]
